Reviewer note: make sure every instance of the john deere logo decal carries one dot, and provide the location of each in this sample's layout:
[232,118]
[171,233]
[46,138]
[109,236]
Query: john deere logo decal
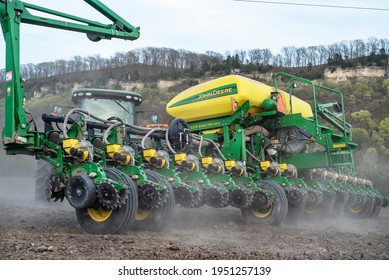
[209,94]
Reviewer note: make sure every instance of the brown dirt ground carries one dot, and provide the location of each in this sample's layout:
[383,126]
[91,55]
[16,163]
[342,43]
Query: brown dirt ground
[29,231]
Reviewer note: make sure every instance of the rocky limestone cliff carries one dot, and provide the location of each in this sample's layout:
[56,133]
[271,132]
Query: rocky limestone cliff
[344,74]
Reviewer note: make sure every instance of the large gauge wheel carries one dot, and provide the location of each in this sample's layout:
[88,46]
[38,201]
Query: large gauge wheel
[361,211]
[102,220]
[156,219]
[274,213]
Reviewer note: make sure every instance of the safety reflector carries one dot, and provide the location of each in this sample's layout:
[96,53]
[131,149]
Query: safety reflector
[234,104]
[280,104]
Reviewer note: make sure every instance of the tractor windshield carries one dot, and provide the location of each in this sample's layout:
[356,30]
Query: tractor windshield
[106,108]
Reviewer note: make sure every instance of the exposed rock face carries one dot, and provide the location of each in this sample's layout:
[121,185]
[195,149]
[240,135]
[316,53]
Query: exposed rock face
[344,74]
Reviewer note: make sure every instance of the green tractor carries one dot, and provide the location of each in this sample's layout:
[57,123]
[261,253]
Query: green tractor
[108,103]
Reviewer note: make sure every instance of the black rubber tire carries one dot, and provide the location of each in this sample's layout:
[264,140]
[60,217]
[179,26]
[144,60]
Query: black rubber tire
[295,209]
[385,202]
[210,193]
[279,206]
[376,208]
[324,209]
[339,203]
[42,174]
[199,199]
[160,217]
[120,219]
[84,184]
[366,211]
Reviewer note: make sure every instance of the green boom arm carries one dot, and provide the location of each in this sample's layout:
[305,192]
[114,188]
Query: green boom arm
[17,136]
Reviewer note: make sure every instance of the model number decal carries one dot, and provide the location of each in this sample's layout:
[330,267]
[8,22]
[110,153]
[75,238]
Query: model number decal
[8,76]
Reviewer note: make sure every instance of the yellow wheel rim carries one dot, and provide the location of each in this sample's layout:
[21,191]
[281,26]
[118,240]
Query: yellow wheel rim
[99,215]
[142,214]
[262,214]
[310,210]
[355,209]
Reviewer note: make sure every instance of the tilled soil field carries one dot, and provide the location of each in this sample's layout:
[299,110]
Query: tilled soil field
[29,231]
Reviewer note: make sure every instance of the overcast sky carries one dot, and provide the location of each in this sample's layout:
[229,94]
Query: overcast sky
[201,25]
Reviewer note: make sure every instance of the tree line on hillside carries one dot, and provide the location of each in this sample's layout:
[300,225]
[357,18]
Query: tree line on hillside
[372,51]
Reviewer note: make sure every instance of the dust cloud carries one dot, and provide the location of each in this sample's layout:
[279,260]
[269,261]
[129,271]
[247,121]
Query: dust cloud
[17,190]
[33,231]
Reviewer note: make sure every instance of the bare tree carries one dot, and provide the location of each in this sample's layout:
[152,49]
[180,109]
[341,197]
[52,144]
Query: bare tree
[172,58]
[359,48]
[301,57]
[289,54]
[334,49]
[267,56]
[60,67]
[241,55]
[278,60]
[344,49]
[384,44]
[255,56]
[372,45]
[323,54]
[312,55]
[214,58]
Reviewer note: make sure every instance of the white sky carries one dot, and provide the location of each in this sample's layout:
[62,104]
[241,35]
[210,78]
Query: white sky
[201,25]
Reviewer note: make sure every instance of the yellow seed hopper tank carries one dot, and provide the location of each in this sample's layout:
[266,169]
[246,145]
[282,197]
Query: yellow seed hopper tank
[221,97]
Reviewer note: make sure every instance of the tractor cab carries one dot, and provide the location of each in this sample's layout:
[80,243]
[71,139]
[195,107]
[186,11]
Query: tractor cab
[106,103]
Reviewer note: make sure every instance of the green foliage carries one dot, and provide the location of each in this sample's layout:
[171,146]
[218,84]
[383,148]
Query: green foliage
[336,60]
[360,136]
[154,102]
[375,168]
[384,136]
[384,128]
[363,119]
[371,156]
[385,85]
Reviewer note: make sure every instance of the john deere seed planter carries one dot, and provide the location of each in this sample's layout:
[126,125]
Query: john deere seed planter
[234,142]
[271,154]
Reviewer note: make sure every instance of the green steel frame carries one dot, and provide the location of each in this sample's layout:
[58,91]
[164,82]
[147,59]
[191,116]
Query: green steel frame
[18,137]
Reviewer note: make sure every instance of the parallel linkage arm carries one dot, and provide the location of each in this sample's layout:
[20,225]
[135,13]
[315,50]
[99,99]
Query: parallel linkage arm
[119,29]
